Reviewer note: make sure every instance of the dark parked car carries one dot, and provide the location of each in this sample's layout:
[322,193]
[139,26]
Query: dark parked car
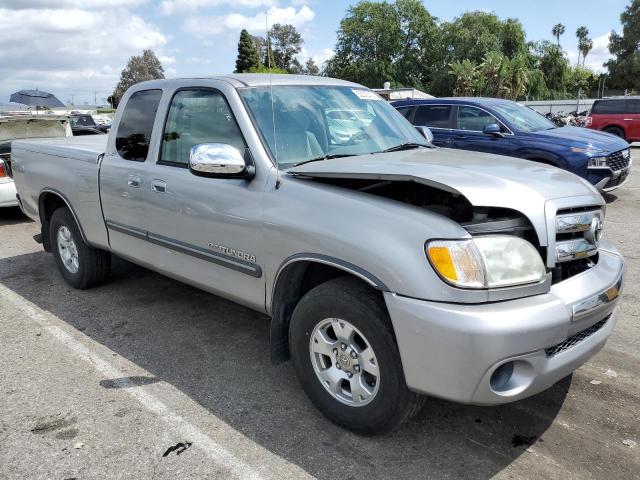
[620,116]
[84,124]
[509,128]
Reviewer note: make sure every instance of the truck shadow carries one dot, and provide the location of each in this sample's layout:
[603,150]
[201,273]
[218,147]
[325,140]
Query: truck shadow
[217,353]
[12,216]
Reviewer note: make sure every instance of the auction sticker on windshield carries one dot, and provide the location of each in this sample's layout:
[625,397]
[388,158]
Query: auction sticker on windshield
[366,94]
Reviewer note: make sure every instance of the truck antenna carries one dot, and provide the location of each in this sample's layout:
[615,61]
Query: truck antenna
[273,109]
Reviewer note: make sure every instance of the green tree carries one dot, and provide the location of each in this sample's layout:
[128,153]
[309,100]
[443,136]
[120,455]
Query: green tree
[382,41]
[466,75]
[369,42]
[472,36]
[624,68]
[310,67]
[493,72]
[558,30]
[248,56]
[286,43]
[553,63]
[264,69]
[139,69]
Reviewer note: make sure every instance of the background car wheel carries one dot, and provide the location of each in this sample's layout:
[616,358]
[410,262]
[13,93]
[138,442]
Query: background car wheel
[618,132]
[80,265]
[347,360]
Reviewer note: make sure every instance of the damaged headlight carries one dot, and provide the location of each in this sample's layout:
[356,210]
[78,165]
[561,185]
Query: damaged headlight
[490,261]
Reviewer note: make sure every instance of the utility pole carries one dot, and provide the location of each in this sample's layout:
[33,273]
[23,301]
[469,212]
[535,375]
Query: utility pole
[95,98]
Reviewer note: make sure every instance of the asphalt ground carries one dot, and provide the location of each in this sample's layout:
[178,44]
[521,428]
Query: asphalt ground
[148,378]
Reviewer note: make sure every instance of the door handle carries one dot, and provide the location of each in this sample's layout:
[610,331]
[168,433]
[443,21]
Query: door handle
[159,186]
[133,181]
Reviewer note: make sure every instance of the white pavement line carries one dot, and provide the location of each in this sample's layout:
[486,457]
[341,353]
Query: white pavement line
[215,451]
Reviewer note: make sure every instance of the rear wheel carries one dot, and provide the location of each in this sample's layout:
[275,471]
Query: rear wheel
[347,360]
[80,265]
[617,131]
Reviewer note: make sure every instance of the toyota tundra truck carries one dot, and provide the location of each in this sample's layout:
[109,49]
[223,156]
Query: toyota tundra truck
[391,270]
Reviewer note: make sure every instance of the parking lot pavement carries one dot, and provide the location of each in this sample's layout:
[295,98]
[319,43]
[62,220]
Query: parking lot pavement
[145,377]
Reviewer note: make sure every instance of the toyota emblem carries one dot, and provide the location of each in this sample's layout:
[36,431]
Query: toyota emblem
[594,234]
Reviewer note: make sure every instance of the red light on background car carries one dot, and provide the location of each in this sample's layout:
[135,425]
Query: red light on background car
[588,121]
[3,170]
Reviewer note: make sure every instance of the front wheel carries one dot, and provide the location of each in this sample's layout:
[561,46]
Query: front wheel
[618,132]
[347,360]
[80,265]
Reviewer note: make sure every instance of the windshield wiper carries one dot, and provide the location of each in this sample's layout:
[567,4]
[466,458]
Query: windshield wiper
[324,157]
[406,146]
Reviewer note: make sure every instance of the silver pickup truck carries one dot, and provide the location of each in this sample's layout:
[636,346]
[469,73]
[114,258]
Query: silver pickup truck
[390,269]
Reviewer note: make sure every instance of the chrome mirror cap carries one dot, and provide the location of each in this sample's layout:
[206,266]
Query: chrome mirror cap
[217,159]
[426,133]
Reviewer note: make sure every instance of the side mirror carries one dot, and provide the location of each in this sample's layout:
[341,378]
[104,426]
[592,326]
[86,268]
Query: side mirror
[218,160]
[492,129]
[426,133]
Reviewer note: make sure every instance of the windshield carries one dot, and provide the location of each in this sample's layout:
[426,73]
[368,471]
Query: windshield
[319,121]
[82,121]
[523,118]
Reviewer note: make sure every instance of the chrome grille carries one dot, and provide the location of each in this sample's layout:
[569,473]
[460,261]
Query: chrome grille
[577,234]
[619,160]
[575,339]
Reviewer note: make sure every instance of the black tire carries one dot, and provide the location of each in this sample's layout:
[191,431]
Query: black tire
[93,264]
[617,131]
[349,299]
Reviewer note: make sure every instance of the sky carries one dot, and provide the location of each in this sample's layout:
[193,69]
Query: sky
[76,49]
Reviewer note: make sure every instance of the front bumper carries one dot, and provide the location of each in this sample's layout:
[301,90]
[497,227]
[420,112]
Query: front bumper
[8,194]
[453,351]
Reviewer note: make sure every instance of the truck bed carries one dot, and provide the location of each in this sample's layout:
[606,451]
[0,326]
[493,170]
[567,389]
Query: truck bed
[67,167]
[86,148]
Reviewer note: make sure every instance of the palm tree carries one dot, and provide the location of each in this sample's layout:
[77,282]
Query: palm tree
[558,29]
[582,33]
[585,46]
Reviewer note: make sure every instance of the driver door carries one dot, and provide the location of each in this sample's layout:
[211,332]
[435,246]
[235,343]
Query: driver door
[205,231]
[468,132]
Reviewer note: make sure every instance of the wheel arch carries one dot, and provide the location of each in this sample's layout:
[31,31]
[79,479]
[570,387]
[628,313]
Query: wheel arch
[296,276]
[616,126]
[48,202]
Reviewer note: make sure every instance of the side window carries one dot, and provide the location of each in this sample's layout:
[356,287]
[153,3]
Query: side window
[609,107]
[136,125]
[633,106]
[432,116]
[405,111]
[474,119]
[195,117]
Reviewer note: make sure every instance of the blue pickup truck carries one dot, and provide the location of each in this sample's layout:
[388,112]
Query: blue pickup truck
[508,128]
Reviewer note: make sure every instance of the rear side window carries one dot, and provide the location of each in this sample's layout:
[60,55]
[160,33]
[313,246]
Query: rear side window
[633,106]
[136,125]
[405,111]
[606,107]
[196,117]
[432,116]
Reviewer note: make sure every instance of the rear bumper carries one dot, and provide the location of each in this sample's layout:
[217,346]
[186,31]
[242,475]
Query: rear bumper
[454,351]
[8,194]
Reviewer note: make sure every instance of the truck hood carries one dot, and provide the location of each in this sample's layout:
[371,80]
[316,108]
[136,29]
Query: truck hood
[582,137]
[485,180]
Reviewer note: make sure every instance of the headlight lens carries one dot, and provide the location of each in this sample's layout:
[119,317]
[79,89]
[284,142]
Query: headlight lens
[597,162]
[588,149]
[491,261]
